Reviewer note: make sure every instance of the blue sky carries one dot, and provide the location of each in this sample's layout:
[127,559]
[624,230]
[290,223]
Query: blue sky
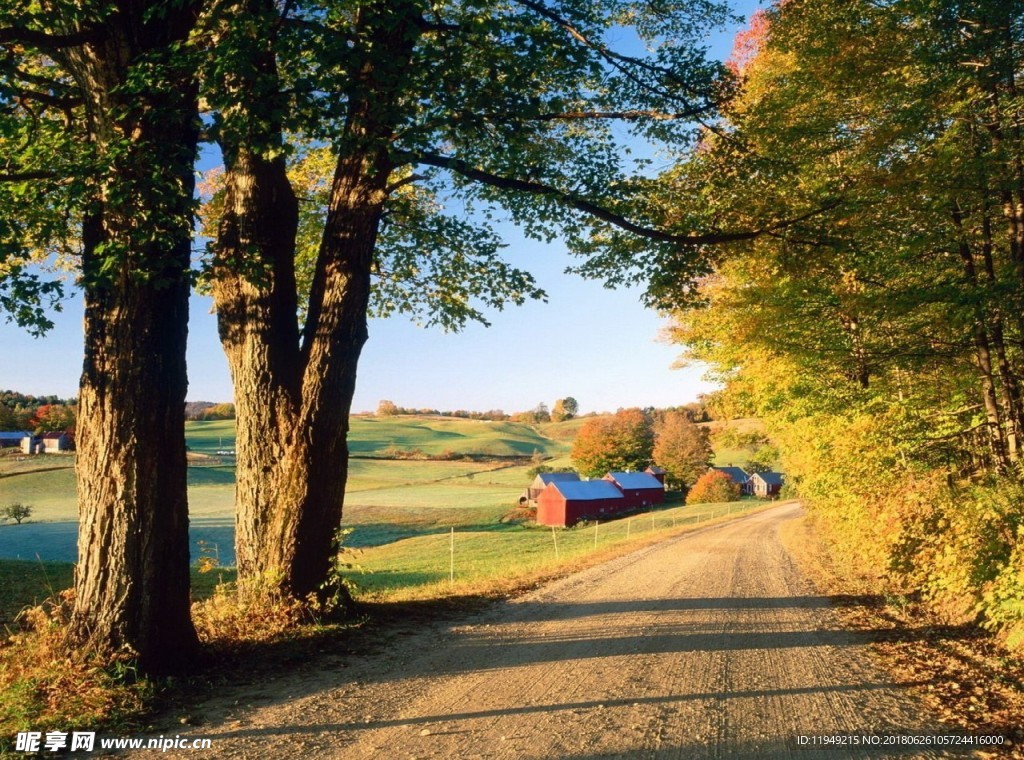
[600,346]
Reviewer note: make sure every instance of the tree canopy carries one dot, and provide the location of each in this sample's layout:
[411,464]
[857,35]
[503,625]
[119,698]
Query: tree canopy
[621,442]
[682,448]
[369,149]
[880,337]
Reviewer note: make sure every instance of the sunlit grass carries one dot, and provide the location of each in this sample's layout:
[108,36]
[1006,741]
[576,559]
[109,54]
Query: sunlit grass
[421,566]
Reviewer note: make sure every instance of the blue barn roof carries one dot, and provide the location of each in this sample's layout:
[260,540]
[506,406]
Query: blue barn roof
[588,490]
[636,481]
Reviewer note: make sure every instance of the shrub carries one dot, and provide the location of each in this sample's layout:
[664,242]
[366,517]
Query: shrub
[712,487]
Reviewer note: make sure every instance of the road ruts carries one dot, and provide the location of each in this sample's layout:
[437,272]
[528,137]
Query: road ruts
[707,645]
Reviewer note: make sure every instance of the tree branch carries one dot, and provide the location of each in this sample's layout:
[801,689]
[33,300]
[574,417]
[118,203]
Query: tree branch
[617,60]
[45,40]
[27,176]
[403,182]
[581,204]
[632,115]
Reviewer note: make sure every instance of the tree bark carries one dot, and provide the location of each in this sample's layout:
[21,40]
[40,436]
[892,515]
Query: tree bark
[293,398]
[132,580]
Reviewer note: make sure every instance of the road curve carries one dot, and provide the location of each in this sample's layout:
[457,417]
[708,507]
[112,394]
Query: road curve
[710,644]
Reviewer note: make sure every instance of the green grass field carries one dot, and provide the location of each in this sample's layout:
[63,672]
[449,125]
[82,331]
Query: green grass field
[388,500]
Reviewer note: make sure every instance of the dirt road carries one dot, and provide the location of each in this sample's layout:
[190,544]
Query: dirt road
[707,645]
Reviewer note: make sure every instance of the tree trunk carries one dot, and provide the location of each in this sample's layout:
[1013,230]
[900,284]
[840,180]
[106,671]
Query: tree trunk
[293,400]
[982,350]
[254,290]
[132,580]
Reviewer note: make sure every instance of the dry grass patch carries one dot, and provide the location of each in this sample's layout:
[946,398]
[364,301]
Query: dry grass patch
[43,687]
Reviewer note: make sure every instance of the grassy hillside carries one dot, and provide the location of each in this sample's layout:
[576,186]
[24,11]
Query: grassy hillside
[374,436]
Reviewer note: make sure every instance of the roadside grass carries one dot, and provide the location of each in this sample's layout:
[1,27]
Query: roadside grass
[485,560]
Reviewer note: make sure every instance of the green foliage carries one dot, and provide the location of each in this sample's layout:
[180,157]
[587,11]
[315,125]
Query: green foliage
[878,332]
[564,409]
[713,487]
[624,441]
[763,459]
[682,448]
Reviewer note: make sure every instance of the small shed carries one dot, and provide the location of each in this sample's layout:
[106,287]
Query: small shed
[55,442]
[564,503]
[640,489]
[766,484]
[658,473]
[543,480]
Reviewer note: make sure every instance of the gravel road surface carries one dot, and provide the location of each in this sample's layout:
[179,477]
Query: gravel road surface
[710,644]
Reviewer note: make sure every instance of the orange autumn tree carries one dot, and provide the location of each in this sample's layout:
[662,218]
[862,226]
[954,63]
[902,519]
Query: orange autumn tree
[623,441]
[713,487]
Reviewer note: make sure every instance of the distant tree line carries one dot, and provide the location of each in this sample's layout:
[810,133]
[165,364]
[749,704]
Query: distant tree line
[37,414]
[563,409]
[207,410]
[390,409]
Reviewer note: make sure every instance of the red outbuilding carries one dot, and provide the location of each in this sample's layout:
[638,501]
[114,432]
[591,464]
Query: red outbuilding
[639,488]
[566,503]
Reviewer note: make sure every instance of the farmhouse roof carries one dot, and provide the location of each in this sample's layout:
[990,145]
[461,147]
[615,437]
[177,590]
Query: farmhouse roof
[635,481]
[655,470]
[557,477]
[738,474]
[52,436]
[770,478]
[587,490]
[14,435]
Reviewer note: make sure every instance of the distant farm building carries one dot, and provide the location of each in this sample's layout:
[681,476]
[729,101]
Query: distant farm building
[542,481]
[12,439]
[640,489]
[54,442]
[566,502]
[765,484]
[658,472]
[738,475]
[47,443]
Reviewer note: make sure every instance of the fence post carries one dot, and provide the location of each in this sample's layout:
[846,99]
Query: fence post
[629,525]
[554,537]
[595,533]
[451,551]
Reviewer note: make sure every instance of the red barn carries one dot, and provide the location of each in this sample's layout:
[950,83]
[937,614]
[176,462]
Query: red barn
[640,489]
[566,503]
[658,473]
